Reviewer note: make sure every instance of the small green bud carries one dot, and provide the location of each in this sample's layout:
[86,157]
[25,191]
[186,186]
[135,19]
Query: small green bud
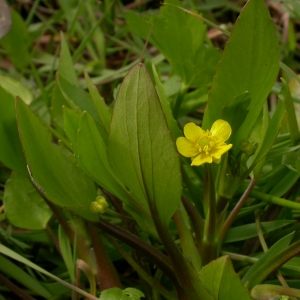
[99,206]
[247,147]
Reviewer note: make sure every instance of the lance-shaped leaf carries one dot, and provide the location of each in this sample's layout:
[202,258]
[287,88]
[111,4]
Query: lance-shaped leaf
[274,258]
[250,62]
[140,147]
[66,66]
[53,169]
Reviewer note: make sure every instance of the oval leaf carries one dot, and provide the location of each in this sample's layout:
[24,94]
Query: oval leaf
[19,196]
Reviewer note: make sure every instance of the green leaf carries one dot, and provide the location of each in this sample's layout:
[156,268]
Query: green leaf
[66,253]
[236,112]
[118,294]
[70,8]
[257,136]
[289,72]
[286,96]
[140,148]
[179,37]
[271,133]
[292,160]
[79,101]
[56,110]
[15,272]
[258,271]
[52,168]
[14,255]
[16,88]
[285,184]
[133,293]
[11,153]
[92,159]
[66,68]
[99,103]
[20,195]
[250,63]
[71,126]
[220,279]
[16,42]
[245,232]
[172,124]
[193,101]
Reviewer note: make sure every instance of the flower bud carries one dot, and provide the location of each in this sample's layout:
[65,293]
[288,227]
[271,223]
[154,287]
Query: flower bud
[247,147]
[99,205]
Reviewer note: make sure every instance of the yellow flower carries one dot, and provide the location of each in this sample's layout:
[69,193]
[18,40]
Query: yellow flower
[204,146]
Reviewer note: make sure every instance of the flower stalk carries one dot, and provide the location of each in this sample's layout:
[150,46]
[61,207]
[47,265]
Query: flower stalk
[210,243]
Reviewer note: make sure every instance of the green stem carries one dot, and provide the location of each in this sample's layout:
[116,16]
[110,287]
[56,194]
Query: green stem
[236,210]
[83,248]
[140,245]
[187,241]
[189,286]
[260,232]
[157,276]
[141,271]
[108,277]
[197,221]
[240,257]
[224,187]
[53,238]
[210,243]
[58,135]
[112,213]
[275,200]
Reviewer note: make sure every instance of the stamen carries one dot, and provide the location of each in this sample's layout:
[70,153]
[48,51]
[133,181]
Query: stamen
[206,142]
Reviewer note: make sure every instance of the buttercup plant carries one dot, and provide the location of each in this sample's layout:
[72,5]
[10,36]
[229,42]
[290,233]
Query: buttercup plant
[205,216]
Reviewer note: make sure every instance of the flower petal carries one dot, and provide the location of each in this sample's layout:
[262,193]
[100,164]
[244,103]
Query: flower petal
[192,132]
[217,152]
[221,130]
[186,147]
[202,158]
[216,160]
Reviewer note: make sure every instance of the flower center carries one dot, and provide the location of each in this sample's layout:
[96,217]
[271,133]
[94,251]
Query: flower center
[206,142]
